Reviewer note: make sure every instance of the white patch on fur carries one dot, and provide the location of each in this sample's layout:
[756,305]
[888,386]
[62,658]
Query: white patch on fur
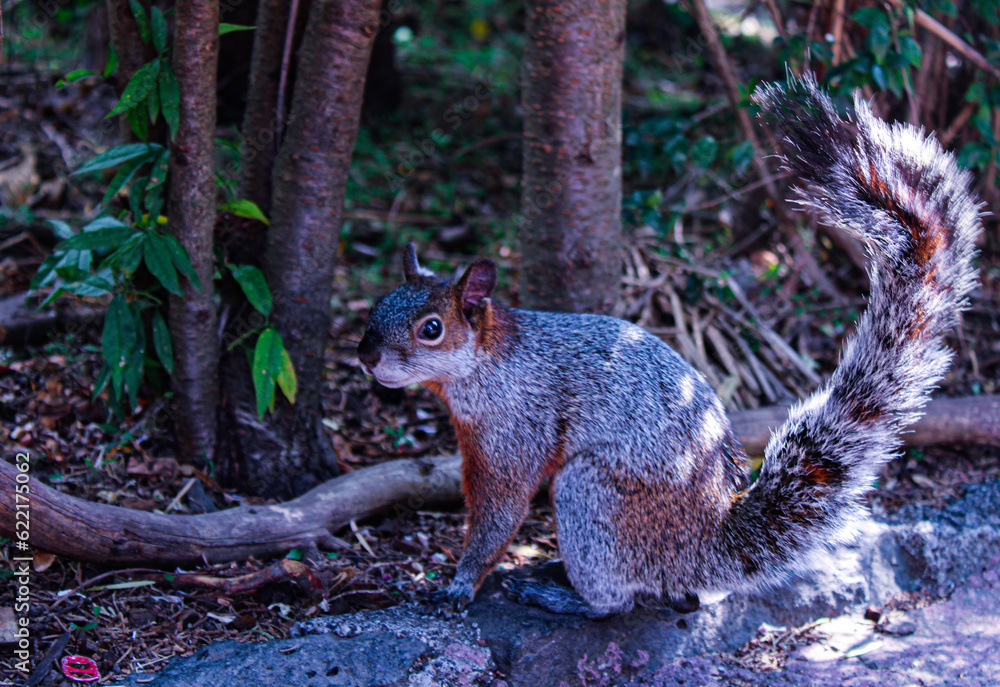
[684,463]
[686,387]
[713,427]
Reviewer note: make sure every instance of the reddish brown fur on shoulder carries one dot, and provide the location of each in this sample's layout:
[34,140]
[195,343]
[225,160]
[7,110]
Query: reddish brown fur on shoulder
[498,330]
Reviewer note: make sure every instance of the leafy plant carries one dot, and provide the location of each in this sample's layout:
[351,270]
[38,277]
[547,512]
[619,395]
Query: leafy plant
[270,364]
[124,253]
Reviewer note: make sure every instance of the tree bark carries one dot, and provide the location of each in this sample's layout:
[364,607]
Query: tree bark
[131,51]
[192,203]
[570,226]
[288,452]
[263,117]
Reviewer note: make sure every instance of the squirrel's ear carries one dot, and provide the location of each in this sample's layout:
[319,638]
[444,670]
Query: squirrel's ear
[477,284]
[412,268]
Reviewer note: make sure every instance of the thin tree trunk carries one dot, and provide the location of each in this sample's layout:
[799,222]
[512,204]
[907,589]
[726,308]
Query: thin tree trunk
[287,452]
[570,226]
[262,119]
[192,200]
[131,51]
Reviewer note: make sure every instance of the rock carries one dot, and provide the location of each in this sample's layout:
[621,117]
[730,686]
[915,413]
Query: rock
[498,643]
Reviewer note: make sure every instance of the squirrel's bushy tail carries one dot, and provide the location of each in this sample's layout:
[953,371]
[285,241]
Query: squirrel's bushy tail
[902,194]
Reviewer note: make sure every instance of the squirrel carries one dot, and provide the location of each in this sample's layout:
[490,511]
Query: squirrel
[650,486]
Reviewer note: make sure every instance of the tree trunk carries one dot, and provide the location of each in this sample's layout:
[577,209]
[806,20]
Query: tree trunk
[192,203]
[287,452]
[132,52]
[570,227]
[263,117]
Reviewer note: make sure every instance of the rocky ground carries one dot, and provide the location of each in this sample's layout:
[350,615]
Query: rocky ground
[915,602]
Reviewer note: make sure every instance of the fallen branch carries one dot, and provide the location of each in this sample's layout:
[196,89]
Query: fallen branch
[968,420]
[99,533]
[22,325]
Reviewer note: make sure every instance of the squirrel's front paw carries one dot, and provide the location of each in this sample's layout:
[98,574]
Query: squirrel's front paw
[453,598]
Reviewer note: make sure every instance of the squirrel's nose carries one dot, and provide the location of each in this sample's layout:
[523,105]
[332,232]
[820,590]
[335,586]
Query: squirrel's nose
[368,353]
[369,358]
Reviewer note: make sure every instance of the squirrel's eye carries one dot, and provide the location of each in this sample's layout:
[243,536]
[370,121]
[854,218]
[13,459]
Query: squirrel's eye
[431,329]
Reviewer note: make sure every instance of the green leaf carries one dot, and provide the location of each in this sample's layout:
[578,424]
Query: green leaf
[945,7]
[91,286]
[878,75]
[703,152]
[157,258]
[287,379]
[911,50]
[252,281]
[869,16]
[158,174]
[266,365]
[155,188]
[153,105]
[138,87]
[103,222]
[159,30]
[161,342]
[179,256]
[122,177]
[119,155]
[134,362]
[74,76]
[170,98]
[101,381]
[138,121]
[976,92]
[741,157]
[141,19]
[128,255]
[879,36]
[112,63]
[118,339]
[102,239]
[244,208]
[62,229]
[154,205]
[46,273]
[225,28]
[136,194]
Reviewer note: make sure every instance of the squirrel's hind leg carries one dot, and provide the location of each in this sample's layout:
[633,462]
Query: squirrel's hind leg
[552,597]
[589,545]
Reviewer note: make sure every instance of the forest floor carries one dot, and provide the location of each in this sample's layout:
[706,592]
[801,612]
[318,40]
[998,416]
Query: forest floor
[135,620]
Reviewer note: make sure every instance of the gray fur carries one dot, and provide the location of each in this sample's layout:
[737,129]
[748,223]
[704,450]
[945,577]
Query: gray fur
[650,487]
